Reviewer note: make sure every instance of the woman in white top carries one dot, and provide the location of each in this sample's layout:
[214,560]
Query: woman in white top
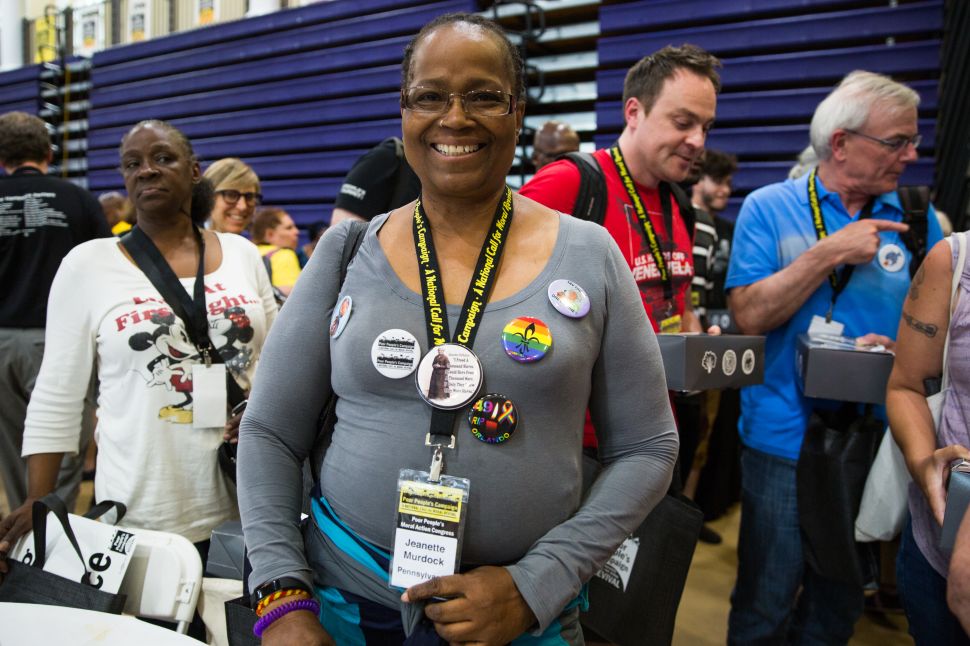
[104,311]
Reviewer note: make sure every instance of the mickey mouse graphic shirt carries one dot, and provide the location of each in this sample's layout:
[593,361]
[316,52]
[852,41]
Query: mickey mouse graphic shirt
[103,311]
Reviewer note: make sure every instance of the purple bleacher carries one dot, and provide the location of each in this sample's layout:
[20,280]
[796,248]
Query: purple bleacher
[641,15]
[813,67]
[250,28]
[20,89]
[811,29]
[299,94]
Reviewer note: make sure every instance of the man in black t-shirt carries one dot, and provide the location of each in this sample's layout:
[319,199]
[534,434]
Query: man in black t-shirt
[41,219]
[379,181]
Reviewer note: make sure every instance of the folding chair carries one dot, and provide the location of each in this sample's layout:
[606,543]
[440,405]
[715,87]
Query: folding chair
[164,578]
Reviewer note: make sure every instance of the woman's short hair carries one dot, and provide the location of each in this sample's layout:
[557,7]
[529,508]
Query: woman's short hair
[203,193]
[849,105]
[231,173]
[266,218]
[513,58]
[23,138]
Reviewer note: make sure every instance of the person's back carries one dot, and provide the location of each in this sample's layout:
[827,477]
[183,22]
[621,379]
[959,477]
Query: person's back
[41,219]
[379,181]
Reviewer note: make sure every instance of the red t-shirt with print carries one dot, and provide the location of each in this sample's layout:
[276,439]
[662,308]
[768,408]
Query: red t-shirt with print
[557,186]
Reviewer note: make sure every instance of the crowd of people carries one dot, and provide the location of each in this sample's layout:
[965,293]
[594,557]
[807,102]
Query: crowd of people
[440,302]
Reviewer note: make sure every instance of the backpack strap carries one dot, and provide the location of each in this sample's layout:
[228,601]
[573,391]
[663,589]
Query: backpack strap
[328,416]
[269,268]
[590,202]
[355,236]
[685,207]
[268,263]
[915,201]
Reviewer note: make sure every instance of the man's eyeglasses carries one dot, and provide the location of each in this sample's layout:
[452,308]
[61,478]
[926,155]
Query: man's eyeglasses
[231,197]
[895,144]
[481,103]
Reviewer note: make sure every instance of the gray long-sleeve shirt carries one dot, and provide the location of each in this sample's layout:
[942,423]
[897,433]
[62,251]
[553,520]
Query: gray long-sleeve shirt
[526,509]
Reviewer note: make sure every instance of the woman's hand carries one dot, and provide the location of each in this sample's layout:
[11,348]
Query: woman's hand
[483,606]
[931,475]
[19,522]
[231,433]
[297,628]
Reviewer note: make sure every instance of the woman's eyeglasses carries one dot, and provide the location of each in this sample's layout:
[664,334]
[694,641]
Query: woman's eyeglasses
[231,197]
[481,103]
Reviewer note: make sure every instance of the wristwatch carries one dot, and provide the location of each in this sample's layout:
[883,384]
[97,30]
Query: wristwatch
[268,588]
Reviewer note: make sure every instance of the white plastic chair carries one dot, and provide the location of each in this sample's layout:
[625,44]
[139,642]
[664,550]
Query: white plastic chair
[164,578]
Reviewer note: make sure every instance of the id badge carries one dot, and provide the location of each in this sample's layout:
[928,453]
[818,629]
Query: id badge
[671,325]
[821,327]
[209,395]
[429,527]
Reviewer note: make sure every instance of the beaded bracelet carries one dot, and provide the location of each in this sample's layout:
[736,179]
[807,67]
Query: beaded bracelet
[303,604]
[279,594]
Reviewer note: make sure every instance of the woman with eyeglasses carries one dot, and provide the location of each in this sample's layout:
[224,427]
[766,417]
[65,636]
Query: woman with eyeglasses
[453,513]
[237,195]
[159,427]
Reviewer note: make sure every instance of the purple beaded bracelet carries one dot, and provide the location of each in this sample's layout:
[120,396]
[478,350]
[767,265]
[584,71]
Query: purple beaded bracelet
[303,604]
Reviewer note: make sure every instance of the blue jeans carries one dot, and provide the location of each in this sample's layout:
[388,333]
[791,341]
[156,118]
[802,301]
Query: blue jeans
[766,607]
[923,592]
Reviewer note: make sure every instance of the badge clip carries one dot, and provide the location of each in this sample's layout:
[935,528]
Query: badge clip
[428,442]
[437,462]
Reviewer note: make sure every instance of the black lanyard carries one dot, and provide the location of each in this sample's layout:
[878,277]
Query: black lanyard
[838,280]
[191,311]
[649,232]
[432,291]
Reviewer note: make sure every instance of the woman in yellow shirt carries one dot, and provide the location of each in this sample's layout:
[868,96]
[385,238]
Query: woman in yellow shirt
[276,236]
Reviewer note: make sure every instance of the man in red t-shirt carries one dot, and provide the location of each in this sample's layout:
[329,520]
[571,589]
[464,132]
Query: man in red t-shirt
[669,99]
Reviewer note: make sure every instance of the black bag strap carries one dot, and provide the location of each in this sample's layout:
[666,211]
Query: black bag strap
[52,503]
[590,202]
[355,237]
[104,507]
[591,199]
[269,266]
[328,416]
[151,262]
[915,201]
[685,207]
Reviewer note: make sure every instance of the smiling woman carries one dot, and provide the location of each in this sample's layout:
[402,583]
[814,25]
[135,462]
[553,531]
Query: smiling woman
[236,194]
[158,427]
[495,538]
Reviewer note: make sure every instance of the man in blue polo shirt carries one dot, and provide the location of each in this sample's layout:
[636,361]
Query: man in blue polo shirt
[791,239]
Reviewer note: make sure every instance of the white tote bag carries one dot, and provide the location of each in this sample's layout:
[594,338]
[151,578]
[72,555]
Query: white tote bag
[884,500]
[106,551]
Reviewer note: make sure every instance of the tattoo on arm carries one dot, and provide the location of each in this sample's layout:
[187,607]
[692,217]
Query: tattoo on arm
[917,283]
[928,329]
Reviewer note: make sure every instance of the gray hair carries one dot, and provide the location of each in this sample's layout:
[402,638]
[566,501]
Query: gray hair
[848,106]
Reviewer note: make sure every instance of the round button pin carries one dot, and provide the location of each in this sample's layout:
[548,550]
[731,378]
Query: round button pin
[526,339]
[569,298]
[449,376]
[341,314]
[395,353]
[493,418]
